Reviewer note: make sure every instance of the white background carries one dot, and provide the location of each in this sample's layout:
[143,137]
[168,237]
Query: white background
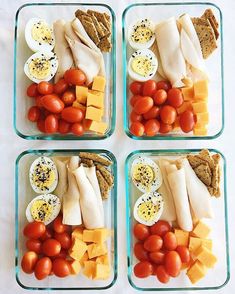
[11,145]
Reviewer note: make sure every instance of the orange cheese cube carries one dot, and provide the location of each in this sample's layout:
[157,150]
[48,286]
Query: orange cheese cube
[102,272]
[99,127]
[201,230]
[187,105]
[77,233]
[201,90]
[104,259]
[100,235]
[79,105]
[203,117]
[78,249]
[188,93]
[88,236]
[93,113]
[200,131]
[81,94]
[97,93]
[182,237]
[84,258]
[89,269]
[95,250]
[200,107]
[205,256]
[75,267]
[99,83]
[95,100]
[196,272]
[195,243]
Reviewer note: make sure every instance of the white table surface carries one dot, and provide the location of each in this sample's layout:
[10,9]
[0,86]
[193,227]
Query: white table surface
[11,145]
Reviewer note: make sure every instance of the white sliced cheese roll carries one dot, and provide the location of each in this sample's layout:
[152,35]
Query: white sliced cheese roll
[62,185]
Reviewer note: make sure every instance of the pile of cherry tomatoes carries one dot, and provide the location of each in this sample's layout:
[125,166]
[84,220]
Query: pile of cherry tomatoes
[47,249]
[155,107]
[158,252]
[53,111]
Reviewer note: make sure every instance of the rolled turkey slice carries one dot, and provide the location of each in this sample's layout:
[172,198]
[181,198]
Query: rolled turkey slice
[62,186]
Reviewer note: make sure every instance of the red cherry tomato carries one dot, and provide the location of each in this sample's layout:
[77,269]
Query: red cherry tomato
[187,121]
[41,125]
[136,88]
[164,85]
[153,243]
[34,230]
[137,129]
[43,268]
[184,253]
[58,226]
[29,261]
[152,127]
[68,97]
[61,267]
[170,241]
[32,90]
[160,228]
[165,128]
[149,88]
[175,97]
[63,254]
[168,114]
[141,232]
[143,269]
[134,99]
[143,105]
[34,245]
[77,129]
[162,274]
[33,113]
[51,247]
[60,87]
[75,77]
[64,239]
[51,124]
[63,127]
[53,103]
[45,88]
[47,235]
[38,100]
[72,114]
[160,97]
[140,253]
[173,263]
[135,117]
[152,113]
[157,257]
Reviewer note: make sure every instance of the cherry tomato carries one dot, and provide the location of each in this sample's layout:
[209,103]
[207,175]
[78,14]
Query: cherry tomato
[162,274]
[45,88]
[38,100]
[47,235]
[43,268]
[137,129]
[75,77]
[61,267]
[34,245]
[29,261]
[160,97]
[143,269]
[153,243]
[41,125]
[184,253]
[53,103]
[136,88]
[64,127]
[165,128]
[187,121]
[77,129]
[51,247]
[175,97]
[152,127]
[134,99]
[170,241]
[86,124]
[32,90]
[68,97]
[140,252]
[33,113]
[34,230]
[64,239]
[149,88]
[58,226]
[63,254]
[152,113]
[135,117]
[157,257]
[51,124]
[141,232]
[72,114]
[160,228]
[143,105]
[60,87]
[168,114]
[173,263]
[164,85]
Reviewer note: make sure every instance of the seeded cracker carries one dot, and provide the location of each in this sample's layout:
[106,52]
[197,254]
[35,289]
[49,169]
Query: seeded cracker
[104,187]
[90,29]
[106,174]
[95,157]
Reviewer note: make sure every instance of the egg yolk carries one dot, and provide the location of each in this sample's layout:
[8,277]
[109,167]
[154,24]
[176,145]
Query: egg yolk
[41,210]
[147,211]
[141,34]
[144,175]
[41,33]
[40,68]
[43,177]
[142,65]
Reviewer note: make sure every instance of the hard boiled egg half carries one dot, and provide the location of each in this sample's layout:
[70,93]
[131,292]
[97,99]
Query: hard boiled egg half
[142,65]
[44,208]
[43,175]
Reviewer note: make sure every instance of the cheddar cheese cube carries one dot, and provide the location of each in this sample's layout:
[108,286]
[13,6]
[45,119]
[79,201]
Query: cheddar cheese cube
[75,267]
[203,117]
[95,100]
[89,269]
[77,233]
[99,83]
[196,272]
[88,236]
[97,93]
[104,259]
[100,235]
[201,131]
[200,107]
[99,127]
[93,113]
[182,237]
[205,256]
[195,243]
[95,250]
[187,105]
[201,90]
[79,105]
[84,258]
[102,272]
[81,94]
[188,93]
[78,249]
[201,230]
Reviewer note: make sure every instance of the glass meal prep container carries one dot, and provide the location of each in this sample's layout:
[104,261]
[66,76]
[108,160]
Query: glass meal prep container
[158,12]
[216,277]
[51,12]
[24,194]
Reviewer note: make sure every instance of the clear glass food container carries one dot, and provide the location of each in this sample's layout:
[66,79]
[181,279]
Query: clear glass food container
[51,12]
[216,277]
[214,64]
[24,194]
